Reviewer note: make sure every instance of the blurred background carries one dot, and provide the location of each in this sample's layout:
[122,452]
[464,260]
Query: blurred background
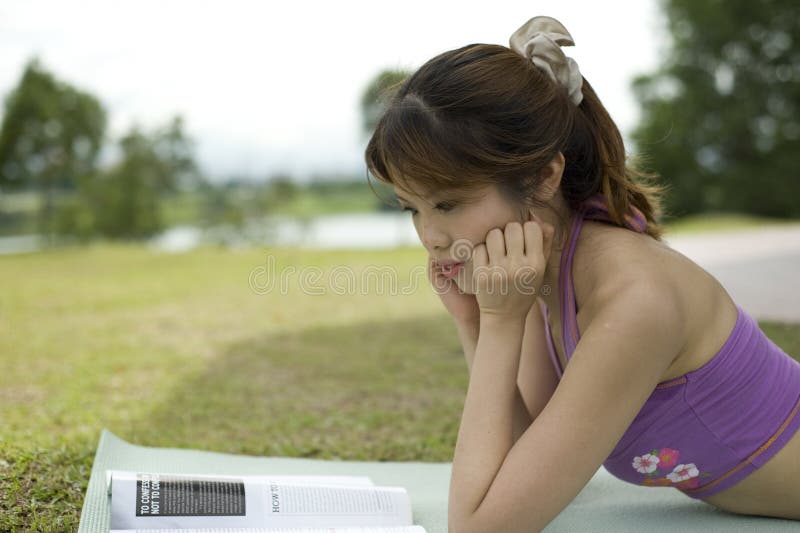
[181,123]
[158,157]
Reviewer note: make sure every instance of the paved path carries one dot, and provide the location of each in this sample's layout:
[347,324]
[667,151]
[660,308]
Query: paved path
[760,268]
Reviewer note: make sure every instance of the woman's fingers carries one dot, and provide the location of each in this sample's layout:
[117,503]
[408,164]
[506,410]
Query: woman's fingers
[515,242]
[533,238]
[495,245]
[480,256]
[515,254]
[528,239]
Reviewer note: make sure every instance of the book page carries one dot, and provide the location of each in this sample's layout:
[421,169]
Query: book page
[404,529]
[141,501]
[360,481]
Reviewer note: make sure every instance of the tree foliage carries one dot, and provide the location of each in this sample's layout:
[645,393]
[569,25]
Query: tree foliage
[50,132]
[50,136]
[125,199]
[720,116]
[50,139]
[374,98]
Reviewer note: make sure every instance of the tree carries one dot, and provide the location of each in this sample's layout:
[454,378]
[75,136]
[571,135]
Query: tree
[50,136]
[125,200]
[375,96]
[173,155]
[720,115]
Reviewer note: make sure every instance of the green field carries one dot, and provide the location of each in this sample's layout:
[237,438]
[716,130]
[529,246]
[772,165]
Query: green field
[180,350]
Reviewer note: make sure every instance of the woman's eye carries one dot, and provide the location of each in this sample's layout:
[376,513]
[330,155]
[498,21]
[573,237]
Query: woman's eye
[441,206]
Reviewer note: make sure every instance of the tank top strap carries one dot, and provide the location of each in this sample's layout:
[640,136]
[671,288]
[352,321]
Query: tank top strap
[593,208]
[569,327]
[596,208]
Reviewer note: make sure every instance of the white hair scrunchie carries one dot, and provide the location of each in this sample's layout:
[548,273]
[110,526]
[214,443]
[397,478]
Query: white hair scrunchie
[540,40]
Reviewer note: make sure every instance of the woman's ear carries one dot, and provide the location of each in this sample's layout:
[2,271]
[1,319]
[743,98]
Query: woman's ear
[551,175]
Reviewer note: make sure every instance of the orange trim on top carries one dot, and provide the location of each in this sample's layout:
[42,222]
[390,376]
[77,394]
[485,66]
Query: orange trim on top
[755,454]
[672,382]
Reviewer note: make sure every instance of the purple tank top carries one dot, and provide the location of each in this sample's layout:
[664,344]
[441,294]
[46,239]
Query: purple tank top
[706,430]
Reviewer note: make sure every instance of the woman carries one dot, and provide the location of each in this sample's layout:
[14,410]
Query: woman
[588,340]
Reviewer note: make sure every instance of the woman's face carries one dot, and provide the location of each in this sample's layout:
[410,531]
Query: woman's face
[450,228]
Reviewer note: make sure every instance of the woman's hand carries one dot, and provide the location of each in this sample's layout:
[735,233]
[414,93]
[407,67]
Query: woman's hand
[461,305]
[508,269]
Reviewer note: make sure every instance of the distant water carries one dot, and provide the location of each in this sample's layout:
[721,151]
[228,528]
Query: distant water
[20,244]
[352,230]
[355,230]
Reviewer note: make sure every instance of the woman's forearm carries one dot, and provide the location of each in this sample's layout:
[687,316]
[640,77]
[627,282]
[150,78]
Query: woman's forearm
[487,433]
[521,416]
[468,335]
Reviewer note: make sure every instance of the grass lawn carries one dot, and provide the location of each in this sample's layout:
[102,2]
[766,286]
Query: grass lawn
[180,350]
[719,222]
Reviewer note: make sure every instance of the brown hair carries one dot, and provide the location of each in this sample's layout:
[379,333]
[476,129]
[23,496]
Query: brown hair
[483,114]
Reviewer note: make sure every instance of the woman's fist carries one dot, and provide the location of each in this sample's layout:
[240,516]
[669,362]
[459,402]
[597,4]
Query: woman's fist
[508,269]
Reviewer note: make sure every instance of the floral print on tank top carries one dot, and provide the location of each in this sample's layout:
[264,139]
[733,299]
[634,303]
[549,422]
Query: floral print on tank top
[663,470]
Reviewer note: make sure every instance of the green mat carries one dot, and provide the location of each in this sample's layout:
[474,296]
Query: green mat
[606,504]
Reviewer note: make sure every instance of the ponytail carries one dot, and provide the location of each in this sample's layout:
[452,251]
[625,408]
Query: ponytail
[596,163]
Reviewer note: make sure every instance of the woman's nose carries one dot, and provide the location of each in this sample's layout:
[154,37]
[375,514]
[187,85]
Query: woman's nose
[433,238]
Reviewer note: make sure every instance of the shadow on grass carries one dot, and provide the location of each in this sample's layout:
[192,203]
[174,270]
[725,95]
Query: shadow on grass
[391,390]
[378,391]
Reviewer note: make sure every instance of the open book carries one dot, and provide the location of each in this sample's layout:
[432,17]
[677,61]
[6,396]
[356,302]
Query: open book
[183,503]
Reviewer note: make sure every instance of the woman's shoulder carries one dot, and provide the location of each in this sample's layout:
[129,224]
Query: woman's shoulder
[608,258]
[611,260]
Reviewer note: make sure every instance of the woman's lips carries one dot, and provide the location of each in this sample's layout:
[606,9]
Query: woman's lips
[450,270]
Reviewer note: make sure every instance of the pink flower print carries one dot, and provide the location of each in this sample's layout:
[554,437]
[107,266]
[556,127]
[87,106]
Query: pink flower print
[645,464]
[688,484]
[668,457]
[683,472]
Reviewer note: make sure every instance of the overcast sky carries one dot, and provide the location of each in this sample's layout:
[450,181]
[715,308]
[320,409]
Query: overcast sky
[267,89]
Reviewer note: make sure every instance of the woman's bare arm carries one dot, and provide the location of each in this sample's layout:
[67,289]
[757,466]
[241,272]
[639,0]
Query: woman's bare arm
[486,432]
[497,485]
[537,379]
[468,334]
